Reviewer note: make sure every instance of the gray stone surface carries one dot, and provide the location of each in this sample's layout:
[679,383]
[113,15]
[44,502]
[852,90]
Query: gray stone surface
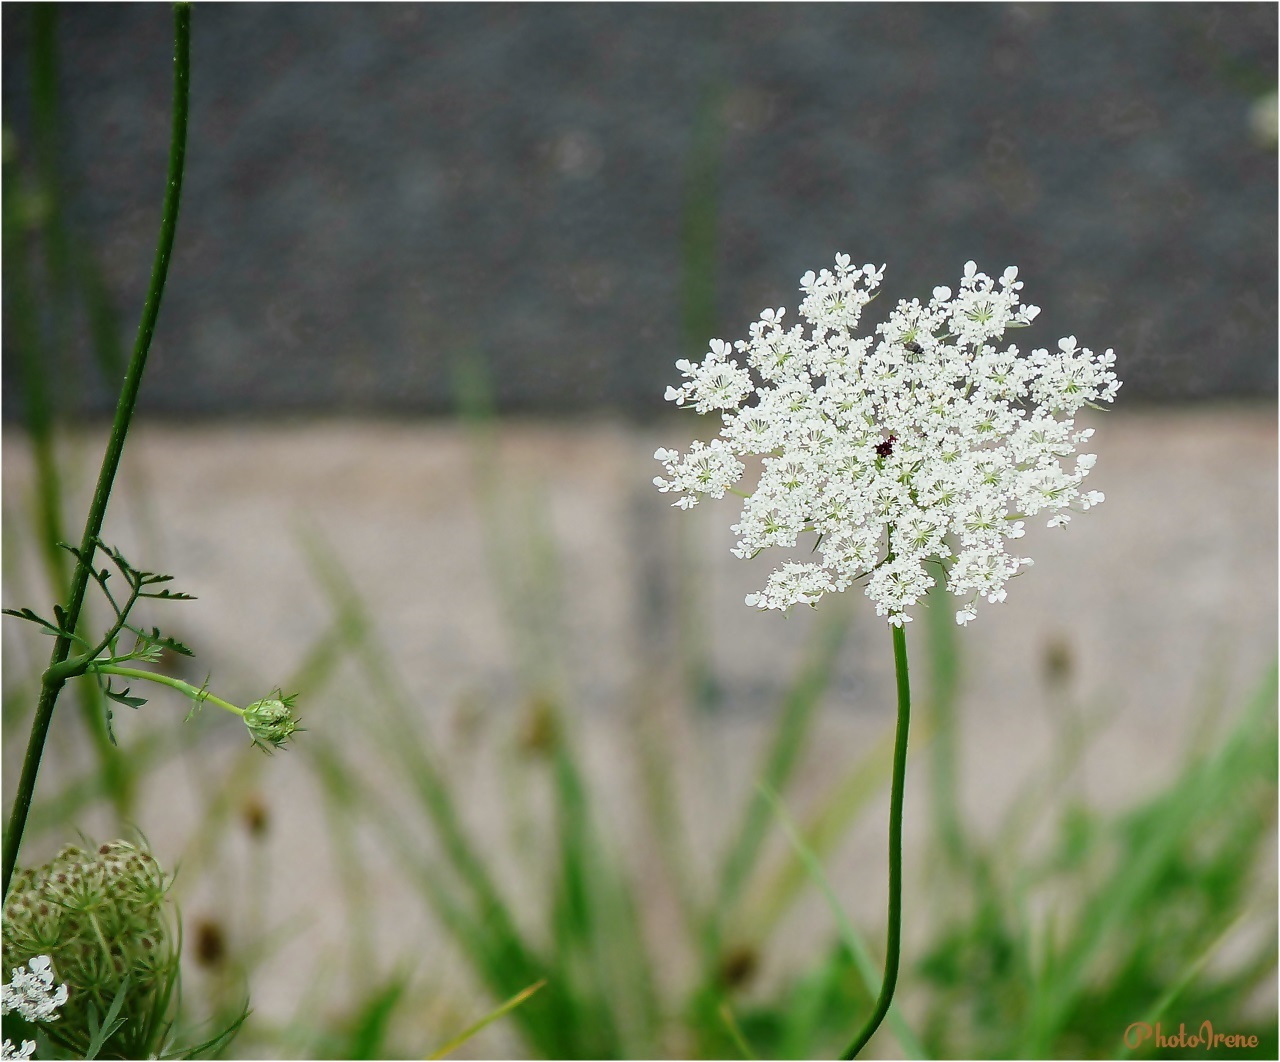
[377,191]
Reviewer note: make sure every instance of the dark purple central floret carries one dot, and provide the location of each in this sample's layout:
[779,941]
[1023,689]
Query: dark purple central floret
[885,448]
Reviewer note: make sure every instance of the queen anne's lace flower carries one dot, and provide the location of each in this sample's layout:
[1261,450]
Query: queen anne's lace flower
[925,441]
[32,993]
[97,917]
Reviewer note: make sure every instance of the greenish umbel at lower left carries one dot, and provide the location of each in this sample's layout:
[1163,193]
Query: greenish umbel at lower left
[104,919]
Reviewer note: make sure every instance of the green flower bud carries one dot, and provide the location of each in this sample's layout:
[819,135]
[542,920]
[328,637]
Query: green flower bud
[271,721]
[101,917]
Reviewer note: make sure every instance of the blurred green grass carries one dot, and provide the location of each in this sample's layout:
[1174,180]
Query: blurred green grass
[1031,952]
[1021,947]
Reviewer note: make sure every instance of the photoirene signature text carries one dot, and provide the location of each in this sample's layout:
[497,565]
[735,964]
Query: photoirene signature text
[1140,1032]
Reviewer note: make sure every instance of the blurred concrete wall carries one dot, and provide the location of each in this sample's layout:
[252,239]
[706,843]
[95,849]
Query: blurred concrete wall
[375,192]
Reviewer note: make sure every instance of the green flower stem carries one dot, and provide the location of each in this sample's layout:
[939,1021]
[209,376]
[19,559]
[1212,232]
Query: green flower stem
[893,947]
[197,693]
[53,680]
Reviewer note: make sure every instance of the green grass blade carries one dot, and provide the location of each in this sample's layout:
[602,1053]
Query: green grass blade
[497,955]
[699,262]
[836,813]
[394,727]
[1195,802]
[942,666]
[1179,986]
[782,756]
[488,1020]
[852,940]
[662,805]
[34,365]
[735,1032]
[804,1007]
[600,924]
[373,1023]
[213,1045]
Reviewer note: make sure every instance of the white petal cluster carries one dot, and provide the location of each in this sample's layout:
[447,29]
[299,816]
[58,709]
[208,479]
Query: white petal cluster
[24,1052]
[32,993]
[927,440]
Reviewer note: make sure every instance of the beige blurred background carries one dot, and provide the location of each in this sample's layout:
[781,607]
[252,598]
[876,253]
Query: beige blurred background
[1146,623]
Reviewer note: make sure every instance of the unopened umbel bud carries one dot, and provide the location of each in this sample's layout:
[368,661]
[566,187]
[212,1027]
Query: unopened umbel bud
[271,721]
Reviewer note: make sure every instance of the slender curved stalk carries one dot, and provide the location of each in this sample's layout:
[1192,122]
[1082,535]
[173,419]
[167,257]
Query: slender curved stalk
[196,693]
[893,946]
[54,678]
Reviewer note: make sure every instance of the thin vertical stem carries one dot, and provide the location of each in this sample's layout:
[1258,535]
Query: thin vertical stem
[54,677]
[893,946]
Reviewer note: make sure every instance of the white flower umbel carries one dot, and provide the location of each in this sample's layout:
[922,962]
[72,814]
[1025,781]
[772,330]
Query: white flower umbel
[32,994]
[928,440]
